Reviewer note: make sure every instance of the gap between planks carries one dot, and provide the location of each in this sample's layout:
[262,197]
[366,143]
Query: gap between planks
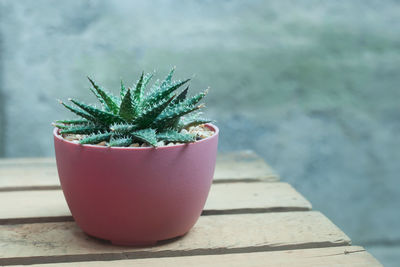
[333,256]
[65,242]
[237,198]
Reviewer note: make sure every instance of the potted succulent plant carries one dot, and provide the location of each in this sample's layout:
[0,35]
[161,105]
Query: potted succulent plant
[138,169]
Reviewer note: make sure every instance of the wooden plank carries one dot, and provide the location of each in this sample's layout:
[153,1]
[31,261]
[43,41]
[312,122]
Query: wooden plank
[254,197]
[243,165]
[41,173]
[65,242]
[334,256]
[50,205]
[28,173]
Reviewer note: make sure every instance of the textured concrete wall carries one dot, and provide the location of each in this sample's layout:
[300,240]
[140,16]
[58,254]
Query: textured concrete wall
[2,98]
[312,86]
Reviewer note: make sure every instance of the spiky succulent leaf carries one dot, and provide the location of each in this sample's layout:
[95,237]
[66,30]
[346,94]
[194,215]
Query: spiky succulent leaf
[156,86]
[122,128]
[108,99]
[174,136]
[137,96]
[195,122]
[164,119]
[150,114]
[135,115]
[102,117]
[146,135]
[195,99]
[122,141]
[137,93]
[127,109]
[60,126]
[123,90]
[72,121]
[96,138]
[181,97]
[168,79]
[163,92]
[174,123]
[101,100]
[79,112]
[146,80]
[82,129]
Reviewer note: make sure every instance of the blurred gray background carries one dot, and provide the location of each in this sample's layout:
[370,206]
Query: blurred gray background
[311,86]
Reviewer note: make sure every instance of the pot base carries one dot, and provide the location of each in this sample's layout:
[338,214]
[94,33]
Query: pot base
[133,244]
[136,243]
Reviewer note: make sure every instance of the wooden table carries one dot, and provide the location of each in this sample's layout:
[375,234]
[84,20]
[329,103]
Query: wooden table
[250,219]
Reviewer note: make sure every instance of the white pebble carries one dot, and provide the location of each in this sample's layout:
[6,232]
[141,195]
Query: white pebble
[134,145]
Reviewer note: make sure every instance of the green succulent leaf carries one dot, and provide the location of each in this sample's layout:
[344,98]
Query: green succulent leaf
[168,79]
[82,129]
[72,121]
[195,122]
[60,126]
[122,141]
[102,117]
[146,80]
[163,93]
[121,128]
[182,102]
[136,115]
[79,112]
[96,138]
[174,136]
[107,99]
[127,109]
[195,99]
[164,120]
[146,135]
[150,114]
[181,97]
[123,90]
[101,100]
[173,124]
[137,93]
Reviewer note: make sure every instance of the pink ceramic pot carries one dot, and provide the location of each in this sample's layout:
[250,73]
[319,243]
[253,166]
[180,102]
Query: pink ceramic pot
[136,196]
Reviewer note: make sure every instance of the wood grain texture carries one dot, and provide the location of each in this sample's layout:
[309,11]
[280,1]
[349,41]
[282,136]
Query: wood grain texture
[231,198]
[334,256]
[41,173]
[243,165]
[254,197]
[65,242]
[28,173]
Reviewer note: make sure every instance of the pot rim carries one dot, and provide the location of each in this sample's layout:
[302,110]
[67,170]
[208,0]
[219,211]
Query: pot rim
[208,125]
